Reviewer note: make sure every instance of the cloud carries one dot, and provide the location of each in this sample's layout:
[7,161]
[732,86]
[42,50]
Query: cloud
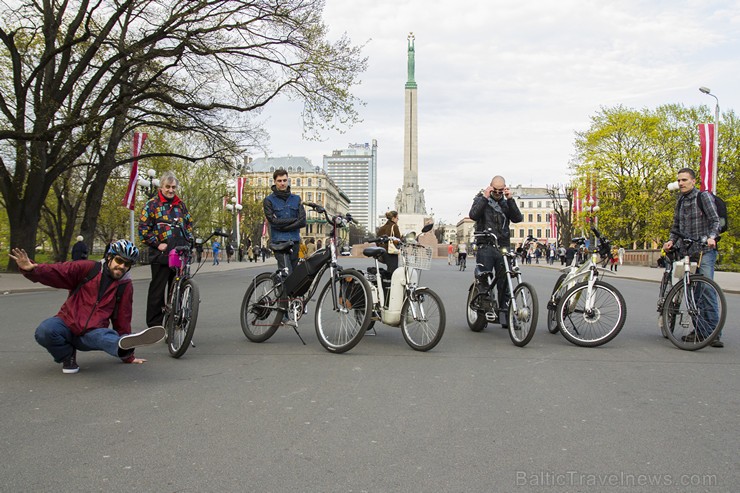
[504,86]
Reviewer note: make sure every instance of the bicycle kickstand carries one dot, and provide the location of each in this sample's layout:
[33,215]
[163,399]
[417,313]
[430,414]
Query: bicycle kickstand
[295,326]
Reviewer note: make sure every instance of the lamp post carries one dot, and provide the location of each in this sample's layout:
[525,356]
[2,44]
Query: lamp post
[708,92]
[234,208]
[148,185]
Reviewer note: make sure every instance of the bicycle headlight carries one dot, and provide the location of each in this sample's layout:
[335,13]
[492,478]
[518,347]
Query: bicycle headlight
[504,250]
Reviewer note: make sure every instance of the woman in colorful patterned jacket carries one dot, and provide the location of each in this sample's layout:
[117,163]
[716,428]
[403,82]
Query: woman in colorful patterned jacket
[164,224]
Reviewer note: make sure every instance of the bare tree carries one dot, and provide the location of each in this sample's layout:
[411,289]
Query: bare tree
[562,201]
[83,75]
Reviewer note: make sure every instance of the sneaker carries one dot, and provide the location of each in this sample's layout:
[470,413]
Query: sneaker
[692,338]
[69,364]
[717,343]
[152,335]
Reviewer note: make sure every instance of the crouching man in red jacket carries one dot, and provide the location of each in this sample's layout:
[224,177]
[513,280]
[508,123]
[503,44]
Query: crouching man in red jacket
[100,293]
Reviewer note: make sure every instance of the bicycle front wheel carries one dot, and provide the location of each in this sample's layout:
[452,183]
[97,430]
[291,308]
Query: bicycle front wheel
[180,323]
[262,309]
[475,315]
[591,317]
[694,318]
[423,320]
[523,320]
[340,326]
[552,318]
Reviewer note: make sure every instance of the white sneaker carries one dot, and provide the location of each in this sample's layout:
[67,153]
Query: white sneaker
[152,335]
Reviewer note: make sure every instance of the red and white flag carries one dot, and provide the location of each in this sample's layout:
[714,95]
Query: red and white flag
[129,200]
[553,226]
[239,192]
[706,168]
[577,202]
[264,228]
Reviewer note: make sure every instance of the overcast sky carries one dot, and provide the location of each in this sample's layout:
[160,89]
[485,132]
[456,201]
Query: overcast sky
[503,86]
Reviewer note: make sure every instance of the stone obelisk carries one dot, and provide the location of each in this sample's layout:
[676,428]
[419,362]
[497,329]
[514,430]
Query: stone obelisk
[410,199]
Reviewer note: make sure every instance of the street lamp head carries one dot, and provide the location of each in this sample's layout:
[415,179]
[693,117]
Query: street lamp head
[596,208]
[233,200]
[238,207]
[229,207]
[143,182]
[151,173]
[705,90]
[155,182]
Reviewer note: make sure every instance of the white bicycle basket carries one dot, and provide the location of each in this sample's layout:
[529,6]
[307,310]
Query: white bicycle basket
[417,256]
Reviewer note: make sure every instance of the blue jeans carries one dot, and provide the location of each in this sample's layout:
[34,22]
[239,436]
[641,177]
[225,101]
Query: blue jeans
[60,342]
[215,258]
[705,299]
[492,260]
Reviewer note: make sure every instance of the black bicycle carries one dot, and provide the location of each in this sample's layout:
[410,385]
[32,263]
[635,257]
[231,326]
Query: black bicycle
[343,309]
[183,301]
[482,306]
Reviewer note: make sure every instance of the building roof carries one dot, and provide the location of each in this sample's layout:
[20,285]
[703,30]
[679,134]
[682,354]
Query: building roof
[290,163]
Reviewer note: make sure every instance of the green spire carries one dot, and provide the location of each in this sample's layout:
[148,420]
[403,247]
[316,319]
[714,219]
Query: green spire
[411,83]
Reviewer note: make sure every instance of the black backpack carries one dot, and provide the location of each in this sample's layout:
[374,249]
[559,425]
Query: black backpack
[721,211]
[91,275]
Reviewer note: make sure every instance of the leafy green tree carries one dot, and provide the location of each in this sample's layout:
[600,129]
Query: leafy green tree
[629,156]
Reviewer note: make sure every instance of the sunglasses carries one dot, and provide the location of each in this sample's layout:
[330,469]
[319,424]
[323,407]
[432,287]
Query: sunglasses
[122,261]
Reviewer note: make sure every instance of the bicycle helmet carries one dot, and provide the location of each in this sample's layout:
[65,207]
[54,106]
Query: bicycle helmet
[124,249]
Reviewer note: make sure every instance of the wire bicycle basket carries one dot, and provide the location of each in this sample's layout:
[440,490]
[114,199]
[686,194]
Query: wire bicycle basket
[417,256]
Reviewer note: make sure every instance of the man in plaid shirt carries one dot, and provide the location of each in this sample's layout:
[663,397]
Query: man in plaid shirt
[694,221]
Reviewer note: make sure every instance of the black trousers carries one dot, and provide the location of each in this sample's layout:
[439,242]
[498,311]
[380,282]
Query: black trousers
[162,277]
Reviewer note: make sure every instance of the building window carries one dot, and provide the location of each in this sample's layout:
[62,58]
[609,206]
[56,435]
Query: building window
[529,231]
[309,182]
[530,204]
[521,233]
[319,182]
[299,169]
[272,169]
[290,168]
[547,233]
[521,204]
[547,217]
[298,182]
[539,204]
[529,217]
[511,233]
[539,218]
[309,196]
[547,204]
[539,232]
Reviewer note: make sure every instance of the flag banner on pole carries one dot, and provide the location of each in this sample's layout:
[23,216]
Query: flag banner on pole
[129,201]
[239,192]
[553,226]
[706,168]
[264,228]
[576,201]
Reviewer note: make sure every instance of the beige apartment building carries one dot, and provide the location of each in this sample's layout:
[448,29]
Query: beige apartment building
[310,182]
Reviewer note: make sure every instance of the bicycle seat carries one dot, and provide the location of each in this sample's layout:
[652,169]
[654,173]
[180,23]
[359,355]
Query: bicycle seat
[282,247]
[374,252]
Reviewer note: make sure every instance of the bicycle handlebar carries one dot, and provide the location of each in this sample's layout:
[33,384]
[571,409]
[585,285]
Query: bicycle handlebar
[336,220]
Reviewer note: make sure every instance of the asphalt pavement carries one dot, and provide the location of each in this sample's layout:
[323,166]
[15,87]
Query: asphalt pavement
[476,413]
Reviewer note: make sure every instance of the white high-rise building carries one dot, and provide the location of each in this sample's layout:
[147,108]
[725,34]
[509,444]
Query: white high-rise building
[355,171]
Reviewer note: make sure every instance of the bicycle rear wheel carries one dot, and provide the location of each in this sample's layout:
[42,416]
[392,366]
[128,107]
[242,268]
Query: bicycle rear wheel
[340,329]
[180,323]
[552,318]
[523,321]
[262,309]
[696,316]
[475,316]
[594,326]
[424,330]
